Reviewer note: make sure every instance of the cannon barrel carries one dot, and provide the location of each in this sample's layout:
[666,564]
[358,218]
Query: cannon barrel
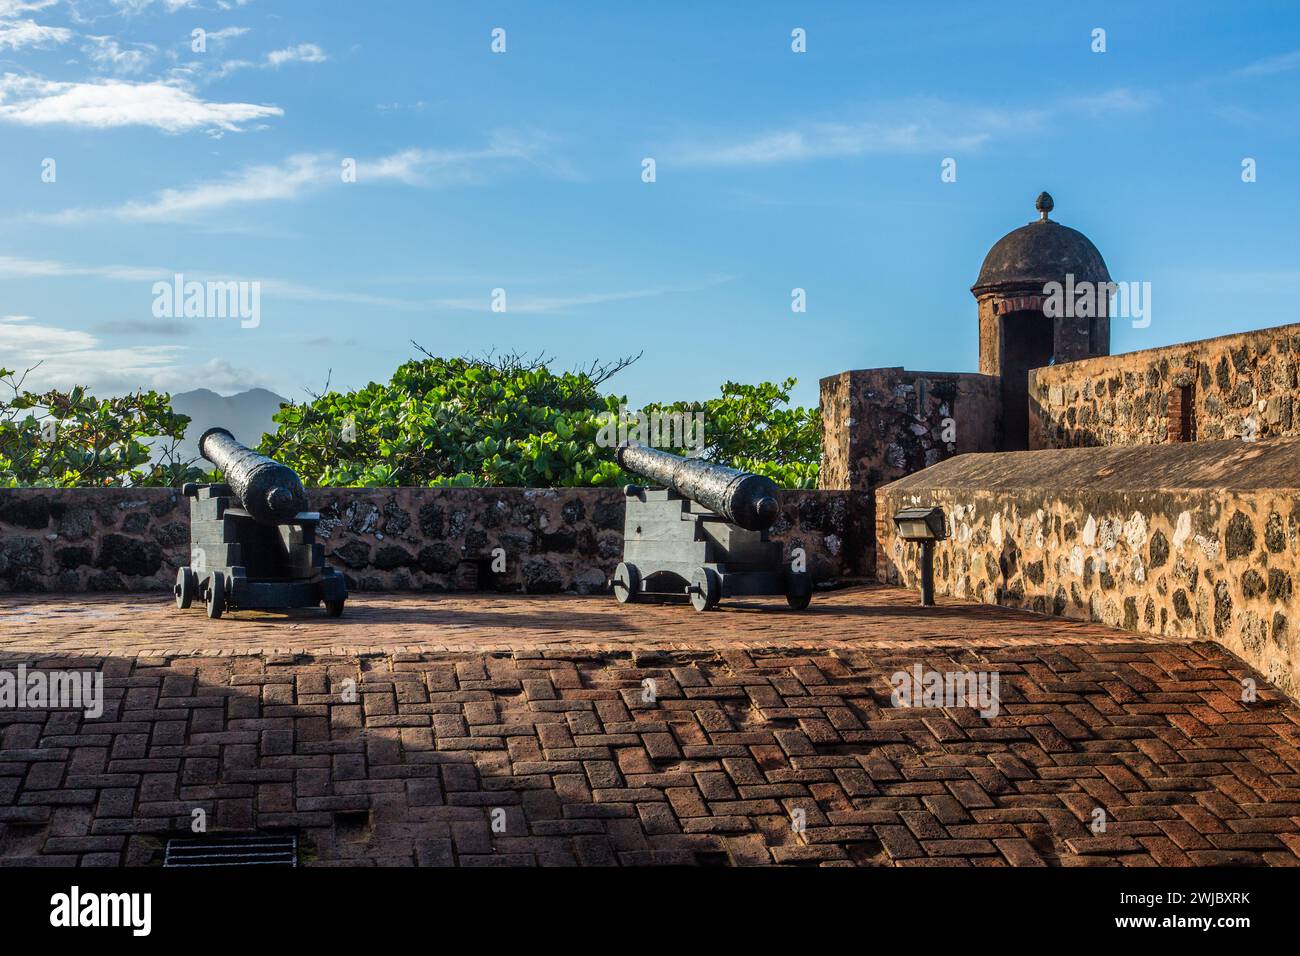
[268,490]
[750,501]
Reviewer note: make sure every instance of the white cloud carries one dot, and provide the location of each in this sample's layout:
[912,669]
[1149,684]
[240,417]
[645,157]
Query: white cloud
[1282,63]
[24,339]
[913,126]
[302,53]
[308,172]
[16,34]
[259,183]
[226,33]
[107,54]
[393,107]
[824,141]
[132,7]
[13,8]
[565,303]
[1118,100]
[104,104]
[921,126]
[15,267]
[68,357]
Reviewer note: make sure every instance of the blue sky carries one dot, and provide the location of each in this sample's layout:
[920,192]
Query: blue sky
[522,171]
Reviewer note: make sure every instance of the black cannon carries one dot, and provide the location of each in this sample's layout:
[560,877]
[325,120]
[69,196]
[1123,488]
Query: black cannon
[252,540]
[702,535]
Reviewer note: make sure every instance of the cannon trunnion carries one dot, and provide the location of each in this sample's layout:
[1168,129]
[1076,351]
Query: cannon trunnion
[673,546]
[264,557]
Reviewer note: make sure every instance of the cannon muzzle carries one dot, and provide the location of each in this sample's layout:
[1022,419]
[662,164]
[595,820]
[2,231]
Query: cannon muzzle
[268,490]
[750,501]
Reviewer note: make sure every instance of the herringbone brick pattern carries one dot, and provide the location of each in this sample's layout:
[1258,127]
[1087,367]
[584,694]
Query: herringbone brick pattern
[791,754]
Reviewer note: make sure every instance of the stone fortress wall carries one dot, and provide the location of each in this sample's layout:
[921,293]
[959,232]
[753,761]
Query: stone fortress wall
[440,539]
[880,424]
[1199,541]
[1165,522]
[1232,386]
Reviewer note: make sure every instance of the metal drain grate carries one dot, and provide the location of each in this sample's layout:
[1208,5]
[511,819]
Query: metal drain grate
[232,851]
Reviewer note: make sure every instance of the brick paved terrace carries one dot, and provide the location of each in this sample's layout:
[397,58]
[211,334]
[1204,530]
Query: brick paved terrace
[534,705]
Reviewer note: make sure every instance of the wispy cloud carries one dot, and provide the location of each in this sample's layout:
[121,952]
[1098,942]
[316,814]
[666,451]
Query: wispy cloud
[1118,100]
[519,301]
[226,33]
[104,104]
[132,7]
[306,173]
[18,267]
[107,54]
[14,8]
[301,53]
[1282,63]
[168,328]
[913,126]
[259,183]
[17,34]
[918,126]
[63,358]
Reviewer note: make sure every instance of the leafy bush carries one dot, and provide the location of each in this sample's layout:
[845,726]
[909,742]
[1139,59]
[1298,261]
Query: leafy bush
[512,421]
[752,427]
[453,421]
[505,421]
[65,439]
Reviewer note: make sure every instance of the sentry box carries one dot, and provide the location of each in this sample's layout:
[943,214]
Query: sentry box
[924,525]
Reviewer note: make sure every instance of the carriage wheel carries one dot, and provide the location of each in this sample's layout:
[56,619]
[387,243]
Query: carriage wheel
[216,594]
[706,589]
[627,583]
[798,590]
[187,585]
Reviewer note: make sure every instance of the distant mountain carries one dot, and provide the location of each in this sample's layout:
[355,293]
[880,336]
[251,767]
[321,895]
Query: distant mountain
[245,415]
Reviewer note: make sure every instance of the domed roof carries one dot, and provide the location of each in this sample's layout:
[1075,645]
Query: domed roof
[1041,252]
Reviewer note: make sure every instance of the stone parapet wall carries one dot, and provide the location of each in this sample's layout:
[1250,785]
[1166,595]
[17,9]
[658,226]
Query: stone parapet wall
[1241,385]
[1194,563]
[879,424]
[442,539]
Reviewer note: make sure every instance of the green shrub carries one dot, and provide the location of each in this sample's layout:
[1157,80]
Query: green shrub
[65,439]
[467,421]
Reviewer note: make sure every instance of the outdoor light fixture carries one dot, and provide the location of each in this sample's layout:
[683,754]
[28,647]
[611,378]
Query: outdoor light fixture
[926,525]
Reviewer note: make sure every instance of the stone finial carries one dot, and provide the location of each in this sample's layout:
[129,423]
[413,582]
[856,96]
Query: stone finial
[1044,205]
